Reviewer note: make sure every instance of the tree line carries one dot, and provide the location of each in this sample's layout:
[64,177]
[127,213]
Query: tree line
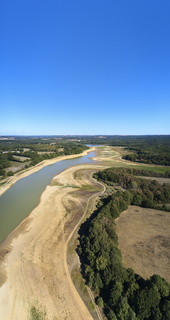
[145,193]
[153,150]
[121,293]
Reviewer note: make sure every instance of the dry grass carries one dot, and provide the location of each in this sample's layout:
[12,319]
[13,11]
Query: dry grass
[160,180]
[21,158]
[144,239]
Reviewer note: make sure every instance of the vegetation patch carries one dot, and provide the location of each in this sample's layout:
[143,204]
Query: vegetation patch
[91,305]
[36,314]
[79,281]
[145,193]
[156,151]
[123,294]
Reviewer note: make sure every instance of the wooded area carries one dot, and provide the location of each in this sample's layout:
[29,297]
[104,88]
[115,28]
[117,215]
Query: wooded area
[144,149]
[121,293]
[145,193]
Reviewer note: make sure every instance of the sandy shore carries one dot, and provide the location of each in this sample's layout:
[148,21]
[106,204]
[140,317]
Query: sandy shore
[33,268]
[37,167]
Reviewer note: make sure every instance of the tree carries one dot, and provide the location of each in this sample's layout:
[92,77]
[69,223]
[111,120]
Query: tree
[99,302]
[146,300]
[101,263]
[110,314]
[160,284]
[166,310]
[114,211]
[148,203]
[130,285]
[122,309]
[10,173]
[115,293]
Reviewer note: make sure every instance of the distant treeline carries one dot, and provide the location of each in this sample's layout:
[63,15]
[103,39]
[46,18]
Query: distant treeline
[145,149]
[156,151]
[115,140]
[121,293]
[159,156]
[126,141]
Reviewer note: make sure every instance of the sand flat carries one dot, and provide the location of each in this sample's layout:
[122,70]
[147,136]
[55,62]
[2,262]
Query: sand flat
[35,267]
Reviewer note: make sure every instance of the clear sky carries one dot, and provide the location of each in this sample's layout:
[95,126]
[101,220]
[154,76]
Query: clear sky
[84,67]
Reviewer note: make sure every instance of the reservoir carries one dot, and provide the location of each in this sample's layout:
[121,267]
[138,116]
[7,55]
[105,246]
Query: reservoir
[19,200]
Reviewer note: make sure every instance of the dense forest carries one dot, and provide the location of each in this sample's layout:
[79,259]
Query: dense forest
[145,193]
[121,293]
[156,151]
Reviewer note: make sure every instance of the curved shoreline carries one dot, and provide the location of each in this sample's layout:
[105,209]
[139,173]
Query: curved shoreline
[22,174]
[34,255]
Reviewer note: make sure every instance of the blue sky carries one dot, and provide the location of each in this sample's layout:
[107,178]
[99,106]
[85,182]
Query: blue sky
[84,67]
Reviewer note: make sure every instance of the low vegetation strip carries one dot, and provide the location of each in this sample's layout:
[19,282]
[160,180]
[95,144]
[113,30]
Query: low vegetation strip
[122,294]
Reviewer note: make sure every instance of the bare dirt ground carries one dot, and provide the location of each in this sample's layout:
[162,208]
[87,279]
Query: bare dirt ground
[144,240]
[18,166]
[160,180]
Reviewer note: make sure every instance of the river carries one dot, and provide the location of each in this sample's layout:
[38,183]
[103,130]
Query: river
[18,201]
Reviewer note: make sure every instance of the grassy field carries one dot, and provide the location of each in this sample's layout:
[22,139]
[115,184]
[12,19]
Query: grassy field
[112,156]
[144,235]
[144,240]
[17,166]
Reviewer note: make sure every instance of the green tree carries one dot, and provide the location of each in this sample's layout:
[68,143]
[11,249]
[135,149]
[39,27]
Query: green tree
[99,302]
[115,293]
[122,309]
[166,310]
[146,300]
[160,284]
[101,263]
[10,173]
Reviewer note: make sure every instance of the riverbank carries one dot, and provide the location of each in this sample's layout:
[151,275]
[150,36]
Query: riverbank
[34,271]
[33,268]
[12,180]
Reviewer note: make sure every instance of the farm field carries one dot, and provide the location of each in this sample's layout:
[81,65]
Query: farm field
[144,240]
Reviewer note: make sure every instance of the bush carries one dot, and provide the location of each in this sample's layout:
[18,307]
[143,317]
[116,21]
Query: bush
[99,302]
[10,173]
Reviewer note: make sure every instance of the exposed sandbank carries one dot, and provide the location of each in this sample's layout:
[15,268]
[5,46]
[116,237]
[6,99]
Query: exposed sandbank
[33,268]
[33,256]
[12,180]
